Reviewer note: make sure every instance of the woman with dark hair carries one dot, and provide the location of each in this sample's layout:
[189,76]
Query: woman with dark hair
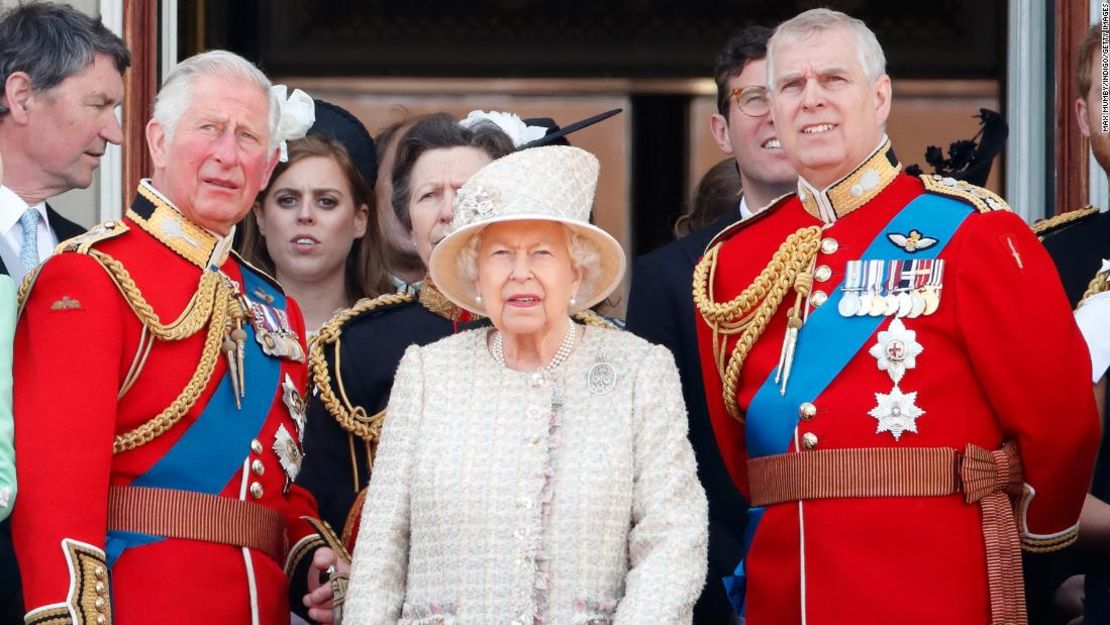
[405,267]
[356,355]
[312,229]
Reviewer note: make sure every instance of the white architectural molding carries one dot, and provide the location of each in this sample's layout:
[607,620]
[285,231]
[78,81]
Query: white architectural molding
[168,53]
[1098,187]
[1026,162]
[110,198]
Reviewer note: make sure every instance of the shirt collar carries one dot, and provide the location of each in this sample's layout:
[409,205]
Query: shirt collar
[745,212]
[12,208]
[857,188]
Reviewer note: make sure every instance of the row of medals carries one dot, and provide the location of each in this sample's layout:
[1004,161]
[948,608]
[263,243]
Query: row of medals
[895,288]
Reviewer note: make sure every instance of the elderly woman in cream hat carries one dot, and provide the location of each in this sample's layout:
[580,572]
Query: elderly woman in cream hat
[537,471]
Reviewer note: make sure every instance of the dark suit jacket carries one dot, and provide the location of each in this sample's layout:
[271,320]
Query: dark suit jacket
[11,598]
[661,310]
[1078,249]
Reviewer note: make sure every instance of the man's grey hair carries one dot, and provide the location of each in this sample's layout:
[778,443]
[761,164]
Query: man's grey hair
[584,257]
[51,42]
[173,97]
[805,25]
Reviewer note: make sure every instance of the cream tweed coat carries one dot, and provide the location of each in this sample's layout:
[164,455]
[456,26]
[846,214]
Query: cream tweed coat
[525,498]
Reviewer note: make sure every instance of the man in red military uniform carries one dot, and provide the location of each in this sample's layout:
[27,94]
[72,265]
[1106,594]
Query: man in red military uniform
[872,372]
[159,390]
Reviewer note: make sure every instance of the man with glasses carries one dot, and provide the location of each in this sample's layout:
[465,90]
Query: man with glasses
[660,308]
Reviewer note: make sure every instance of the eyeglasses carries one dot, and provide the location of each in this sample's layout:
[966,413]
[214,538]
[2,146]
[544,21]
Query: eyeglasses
[752,101]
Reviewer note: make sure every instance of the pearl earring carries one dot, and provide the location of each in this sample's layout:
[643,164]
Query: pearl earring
[573,301]
[478,299]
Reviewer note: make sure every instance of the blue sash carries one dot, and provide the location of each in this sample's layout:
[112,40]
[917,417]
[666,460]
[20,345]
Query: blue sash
[827,343]
[212,450]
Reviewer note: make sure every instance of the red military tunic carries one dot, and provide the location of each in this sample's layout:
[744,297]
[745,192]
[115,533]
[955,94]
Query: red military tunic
[999,359]
[88,370]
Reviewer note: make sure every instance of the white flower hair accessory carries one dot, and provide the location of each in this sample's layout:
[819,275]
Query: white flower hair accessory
[298,113]
[509,123]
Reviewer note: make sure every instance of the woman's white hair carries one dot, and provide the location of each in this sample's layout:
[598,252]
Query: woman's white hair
[805,25]
[173,97]
[584,257]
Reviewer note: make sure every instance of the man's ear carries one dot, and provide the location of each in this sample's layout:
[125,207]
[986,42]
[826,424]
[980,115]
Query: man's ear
[17,92]
[883,93]
[1081,117]
[156,143]
[718,125]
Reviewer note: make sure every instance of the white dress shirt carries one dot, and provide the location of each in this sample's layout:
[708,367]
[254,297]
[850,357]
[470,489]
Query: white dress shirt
[1093,318]
[12,208]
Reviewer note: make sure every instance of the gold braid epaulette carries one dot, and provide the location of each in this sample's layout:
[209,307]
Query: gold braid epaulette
[749,312]
[590,318]
[1045,227]
[351,418]
[983,200]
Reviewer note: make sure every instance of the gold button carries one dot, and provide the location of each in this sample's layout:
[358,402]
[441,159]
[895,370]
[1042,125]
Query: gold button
[257,467]
[829,245]
[101,619]
[256,490]
[256,446]
[100,604]
[818,298]
[822,273]
[99,572]
[809,440]
[101,588]
[807,411]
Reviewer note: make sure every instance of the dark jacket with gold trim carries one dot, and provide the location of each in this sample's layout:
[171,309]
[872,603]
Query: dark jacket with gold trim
[346,411]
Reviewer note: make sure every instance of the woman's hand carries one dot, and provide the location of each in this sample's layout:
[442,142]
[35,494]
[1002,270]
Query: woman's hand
[326,594]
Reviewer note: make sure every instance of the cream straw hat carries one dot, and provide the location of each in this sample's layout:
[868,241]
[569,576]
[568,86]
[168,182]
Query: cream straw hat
[549,183]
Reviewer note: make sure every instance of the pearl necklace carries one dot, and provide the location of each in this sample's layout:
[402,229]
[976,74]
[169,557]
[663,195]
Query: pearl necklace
[560,356]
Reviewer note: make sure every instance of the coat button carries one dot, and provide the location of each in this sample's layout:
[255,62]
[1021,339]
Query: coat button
[829,245]
[256,446]
[818,298]
[257,467]
[256,490]
[807,411]
[822,273]
[809,440]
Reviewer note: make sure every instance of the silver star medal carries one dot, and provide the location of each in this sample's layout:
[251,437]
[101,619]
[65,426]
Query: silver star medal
[295,403]
[288,453]
[897,412]
[897,350]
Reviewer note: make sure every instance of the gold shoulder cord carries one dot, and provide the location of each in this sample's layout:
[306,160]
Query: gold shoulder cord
[1098,284]
[351,418]
[590,318]
[749,312]
[211,304]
